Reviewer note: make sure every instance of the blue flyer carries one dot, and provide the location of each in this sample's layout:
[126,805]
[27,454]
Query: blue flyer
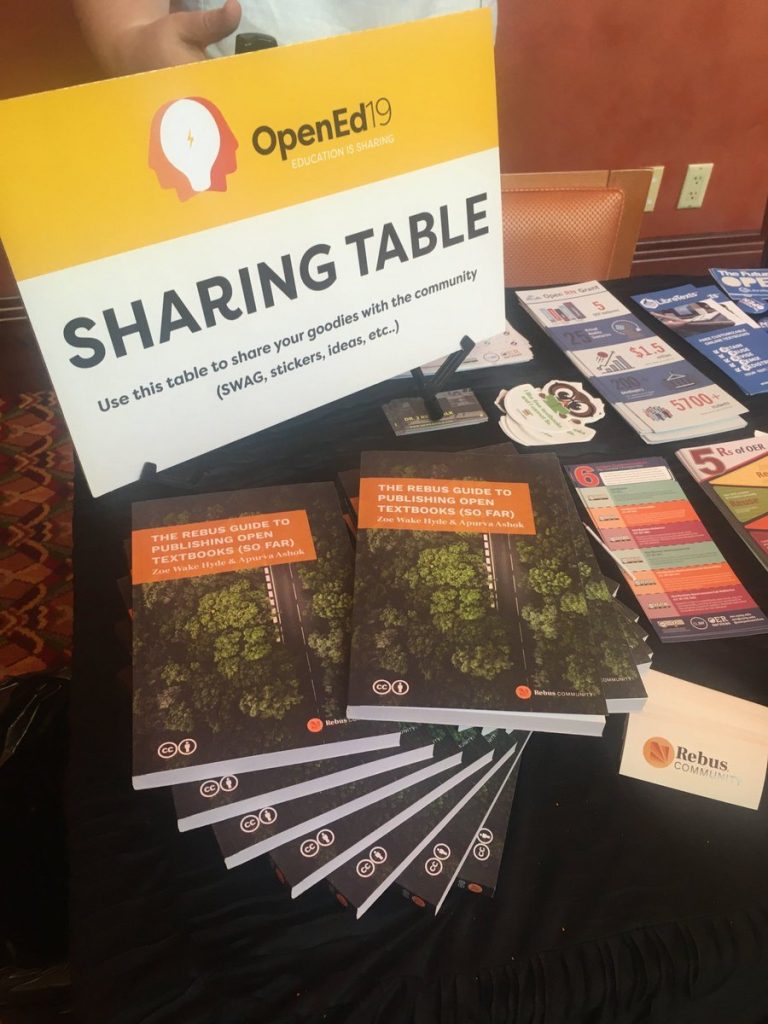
[748,288]
[718,329]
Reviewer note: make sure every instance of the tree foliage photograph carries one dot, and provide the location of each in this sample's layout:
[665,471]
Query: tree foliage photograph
[425,608]
[210,661]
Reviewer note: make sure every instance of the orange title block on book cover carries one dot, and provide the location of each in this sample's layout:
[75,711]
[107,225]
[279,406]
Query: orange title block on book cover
[450,506]
[220,545]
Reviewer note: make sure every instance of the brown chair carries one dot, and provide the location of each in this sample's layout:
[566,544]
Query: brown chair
[567,226]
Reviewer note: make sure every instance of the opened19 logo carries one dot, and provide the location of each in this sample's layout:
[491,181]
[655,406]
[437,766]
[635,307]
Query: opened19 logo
[191,147]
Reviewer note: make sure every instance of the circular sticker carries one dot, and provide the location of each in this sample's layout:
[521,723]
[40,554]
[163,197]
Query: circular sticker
[524,692]
[187,747]
[309,848]
[382,687]
[315,725]
[249,823]
[209,789]
[166,750]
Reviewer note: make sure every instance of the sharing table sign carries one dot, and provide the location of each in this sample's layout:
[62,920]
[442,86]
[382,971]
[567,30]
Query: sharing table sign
[207,250]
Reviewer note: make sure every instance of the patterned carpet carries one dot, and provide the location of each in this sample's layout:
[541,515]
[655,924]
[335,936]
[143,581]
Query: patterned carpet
[35,536]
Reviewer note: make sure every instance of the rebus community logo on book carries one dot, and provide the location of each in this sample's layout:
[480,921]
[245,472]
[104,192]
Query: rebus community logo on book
[658,752]
[191,147]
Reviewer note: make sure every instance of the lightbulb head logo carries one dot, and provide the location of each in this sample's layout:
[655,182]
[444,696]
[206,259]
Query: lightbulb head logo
[658,752]
[191,147]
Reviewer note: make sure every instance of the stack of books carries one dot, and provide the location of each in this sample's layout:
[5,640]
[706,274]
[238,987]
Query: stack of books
[371,743]
[660,395]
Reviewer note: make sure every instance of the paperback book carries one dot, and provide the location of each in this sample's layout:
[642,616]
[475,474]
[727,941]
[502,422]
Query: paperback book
[479,874]
[361,881]
[241,606]
[313,857]
[469,604]
[262,829]
[432,873]
[214,800]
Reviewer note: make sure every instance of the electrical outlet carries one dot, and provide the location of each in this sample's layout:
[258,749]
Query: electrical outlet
[694,186]
[653,188]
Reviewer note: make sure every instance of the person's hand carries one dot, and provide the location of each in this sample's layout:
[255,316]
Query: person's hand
[179,38]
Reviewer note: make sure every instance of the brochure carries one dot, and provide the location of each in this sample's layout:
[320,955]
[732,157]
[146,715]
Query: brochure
[612,636]
[718,329]
[241,606]
[699,741]
[748,288]
[734,474]
[675,570]
[660,394]
[469,605]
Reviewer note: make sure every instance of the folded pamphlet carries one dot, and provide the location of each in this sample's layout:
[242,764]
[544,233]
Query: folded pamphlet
[679,577]
[734,474]
[659,394]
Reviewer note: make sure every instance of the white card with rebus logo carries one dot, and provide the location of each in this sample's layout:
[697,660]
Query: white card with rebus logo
[699,741]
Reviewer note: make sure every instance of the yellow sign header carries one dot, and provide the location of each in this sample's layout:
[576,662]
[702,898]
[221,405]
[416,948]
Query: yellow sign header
[101,169]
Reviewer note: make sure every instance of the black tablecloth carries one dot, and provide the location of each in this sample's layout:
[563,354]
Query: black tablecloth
[617,900]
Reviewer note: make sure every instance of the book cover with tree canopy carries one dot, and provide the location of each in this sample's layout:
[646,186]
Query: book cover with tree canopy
[242,605]
[483,612]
